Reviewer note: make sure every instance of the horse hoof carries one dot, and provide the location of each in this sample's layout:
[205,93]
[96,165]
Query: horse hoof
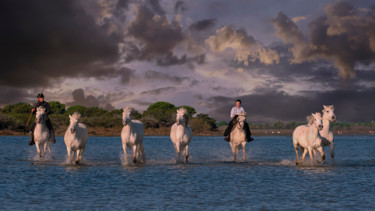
[77,161]
[134,161]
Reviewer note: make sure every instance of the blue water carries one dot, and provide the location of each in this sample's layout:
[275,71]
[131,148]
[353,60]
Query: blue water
[268,179]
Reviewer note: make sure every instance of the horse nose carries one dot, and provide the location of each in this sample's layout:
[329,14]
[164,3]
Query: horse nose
[320,127]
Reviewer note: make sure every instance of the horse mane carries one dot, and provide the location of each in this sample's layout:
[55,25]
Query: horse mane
[329,106]
[76,115]
[128,109]
[185,113]
[310,119]
[40,108]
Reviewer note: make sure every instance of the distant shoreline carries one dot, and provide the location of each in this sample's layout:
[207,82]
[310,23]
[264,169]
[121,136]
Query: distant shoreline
[113,132]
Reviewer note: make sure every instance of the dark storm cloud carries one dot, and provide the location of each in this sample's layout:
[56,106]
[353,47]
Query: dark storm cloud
[180,6]
[156,39]
[10,95]
[152,75]
[159,91]
[51,39]
[350,105]
[79,98]
[203,24]
[344,36]
[155,5]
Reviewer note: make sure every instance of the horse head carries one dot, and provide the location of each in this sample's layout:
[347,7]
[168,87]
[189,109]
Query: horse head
[241,118]
[182,117]
[74,119]
[40,115]
[127,116]
[318,120]
[328,113]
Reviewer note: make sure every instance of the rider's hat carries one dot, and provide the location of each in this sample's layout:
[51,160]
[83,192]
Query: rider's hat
[40,95]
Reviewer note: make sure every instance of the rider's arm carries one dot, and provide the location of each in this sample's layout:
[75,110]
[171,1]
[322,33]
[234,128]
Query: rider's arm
[48,109]
[232,113]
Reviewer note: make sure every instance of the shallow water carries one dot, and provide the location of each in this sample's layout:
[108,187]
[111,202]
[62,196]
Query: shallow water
[268,179]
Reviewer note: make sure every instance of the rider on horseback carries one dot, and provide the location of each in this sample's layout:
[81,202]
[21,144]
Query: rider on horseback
[44,104]
[233,114]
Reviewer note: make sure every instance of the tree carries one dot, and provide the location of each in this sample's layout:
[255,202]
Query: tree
[76,108]
[189,109]
[22,108]
[161,111]
[211,122]
[57,107]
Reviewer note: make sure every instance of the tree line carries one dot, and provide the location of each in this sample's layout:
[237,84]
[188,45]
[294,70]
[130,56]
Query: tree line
[157,115]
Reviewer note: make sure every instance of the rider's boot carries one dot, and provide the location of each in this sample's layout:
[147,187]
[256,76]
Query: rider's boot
[227,138]
[52,137]
[32,139]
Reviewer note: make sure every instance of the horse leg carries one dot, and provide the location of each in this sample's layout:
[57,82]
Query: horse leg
[69,151]
[143,154]
[178,153]
[187,154]
[331,146]
[296,149]
[45,149]
[304,155]
[125,154]
[233,150]
[244,151]
[78,151]
[322,153]
[80,154]
[134,154]
[38,149]
[311,156]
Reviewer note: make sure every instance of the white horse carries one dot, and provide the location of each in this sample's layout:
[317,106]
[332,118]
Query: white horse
[181,134]
[238,136]
[132,135]
[307,137]
[75,138]
[328,118]
[41,132]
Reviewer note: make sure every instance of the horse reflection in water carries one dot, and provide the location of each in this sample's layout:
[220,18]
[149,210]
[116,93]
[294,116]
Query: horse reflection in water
[238,136]
[181,134]
[132,136]
[75,138]
[41,132]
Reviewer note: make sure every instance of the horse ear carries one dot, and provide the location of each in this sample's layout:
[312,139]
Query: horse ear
[70,116]
[313,115]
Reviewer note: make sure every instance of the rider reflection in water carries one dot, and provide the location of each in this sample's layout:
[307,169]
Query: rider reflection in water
[233,114]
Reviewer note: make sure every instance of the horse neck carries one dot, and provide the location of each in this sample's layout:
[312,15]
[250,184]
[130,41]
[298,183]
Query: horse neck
[326,126]
[237,127]
[40,127]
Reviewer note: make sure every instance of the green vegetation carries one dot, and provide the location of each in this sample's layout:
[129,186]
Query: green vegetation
[157,115]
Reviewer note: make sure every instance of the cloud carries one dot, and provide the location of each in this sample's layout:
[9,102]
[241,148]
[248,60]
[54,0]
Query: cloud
[343,36]
[203,24]
[180,6]
[159,91]
[52,39]
[246,48]
[152,75]
[298,18]
[101,101]
[11,95]
[152,37]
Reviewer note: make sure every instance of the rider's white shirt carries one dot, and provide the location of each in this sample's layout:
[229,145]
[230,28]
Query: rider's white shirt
[236,111]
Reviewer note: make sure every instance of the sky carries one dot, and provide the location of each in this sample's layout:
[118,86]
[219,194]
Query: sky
[283,59]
